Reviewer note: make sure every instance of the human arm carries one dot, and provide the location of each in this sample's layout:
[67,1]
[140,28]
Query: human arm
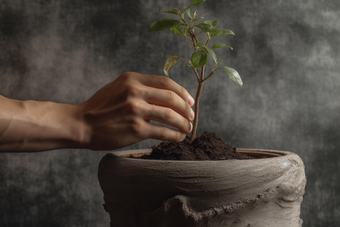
[116,116]
[36,126]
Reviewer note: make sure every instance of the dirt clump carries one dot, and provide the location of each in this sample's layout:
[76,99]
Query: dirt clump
[207,146]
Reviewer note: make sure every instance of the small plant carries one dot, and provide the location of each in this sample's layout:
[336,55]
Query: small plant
[199,58]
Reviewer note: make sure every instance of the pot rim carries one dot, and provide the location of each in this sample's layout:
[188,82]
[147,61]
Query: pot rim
[274,154]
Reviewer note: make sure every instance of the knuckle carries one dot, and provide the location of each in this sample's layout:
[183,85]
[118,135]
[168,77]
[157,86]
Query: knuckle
[169,114]
[170,96]
[133,108]
[127,75]
[164,80]
[163,135]
[132,90]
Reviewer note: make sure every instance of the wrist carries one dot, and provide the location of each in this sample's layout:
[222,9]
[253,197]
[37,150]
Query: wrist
[55,125]
[73,130]
[78,130]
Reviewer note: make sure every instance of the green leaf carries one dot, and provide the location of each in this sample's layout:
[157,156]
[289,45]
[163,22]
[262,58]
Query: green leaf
[217,32]
[212,53]
[177,30]
[195,13]
[212,23]
[218,45]
[214,32]
[233,74]
[173,11]
[199,58]
[208,50]
[170,62]
[187,11]
[198,18]
[203,27]
[201,46]
[163,24]
[207,26]
[196,3]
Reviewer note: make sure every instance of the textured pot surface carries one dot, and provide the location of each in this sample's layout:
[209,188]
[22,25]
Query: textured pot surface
[239,193]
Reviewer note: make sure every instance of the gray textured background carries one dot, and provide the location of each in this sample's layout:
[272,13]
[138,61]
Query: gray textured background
[287,53]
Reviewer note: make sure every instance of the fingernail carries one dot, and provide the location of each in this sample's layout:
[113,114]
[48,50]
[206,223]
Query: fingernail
[183,136]
[192,114]
[191,100]
[190,127]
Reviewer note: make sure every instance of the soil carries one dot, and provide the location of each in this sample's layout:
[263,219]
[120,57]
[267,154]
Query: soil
[207,146]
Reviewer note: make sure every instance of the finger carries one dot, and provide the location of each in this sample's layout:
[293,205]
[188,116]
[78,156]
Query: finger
[167,98]
[163,133]
[166,116]
[163,82]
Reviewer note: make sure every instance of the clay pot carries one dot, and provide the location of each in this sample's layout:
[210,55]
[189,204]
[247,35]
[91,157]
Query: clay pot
[248,193]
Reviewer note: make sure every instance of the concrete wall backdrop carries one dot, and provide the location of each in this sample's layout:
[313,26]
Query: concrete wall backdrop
[287,53]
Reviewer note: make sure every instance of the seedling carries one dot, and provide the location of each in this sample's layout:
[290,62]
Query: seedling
[199,58]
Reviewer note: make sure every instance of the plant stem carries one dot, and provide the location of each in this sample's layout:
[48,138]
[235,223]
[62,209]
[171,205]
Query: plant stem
[198,94]
[193,133]
[206,44]
[182,18]
[193,68]
[212,72]
[194,40]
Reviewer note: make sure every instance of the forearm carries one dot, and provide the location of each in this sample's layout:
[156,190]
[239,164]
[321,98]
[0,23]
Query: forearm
[37,126]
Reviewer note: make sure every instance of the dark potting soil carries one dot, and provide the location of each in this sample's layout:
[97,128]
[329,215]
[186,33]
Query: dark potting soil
[207,146]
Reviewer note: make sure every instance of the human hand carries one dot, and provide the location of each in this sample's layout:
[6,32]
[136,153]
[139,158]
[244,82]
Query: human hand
[119,114]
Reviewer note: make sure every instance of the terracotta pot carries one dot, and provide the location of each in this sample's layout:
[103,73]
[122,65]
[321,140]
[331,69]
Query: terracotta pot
[248,193]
